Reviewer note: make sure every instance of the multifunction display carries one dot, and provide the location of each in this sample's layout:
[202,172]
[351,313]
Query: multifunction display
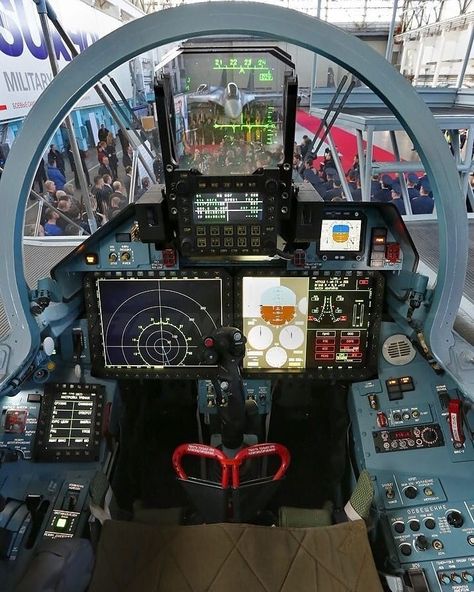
[340,235]
[157,322]
[326,322]
[70,422]
[227,208]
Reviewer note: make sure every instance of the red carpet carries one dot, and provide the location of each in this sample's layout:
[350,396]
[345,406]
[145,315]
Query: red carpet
[345,141]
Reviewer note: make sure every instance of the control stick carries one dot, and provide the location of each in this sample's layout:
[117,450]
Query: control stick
[226,348]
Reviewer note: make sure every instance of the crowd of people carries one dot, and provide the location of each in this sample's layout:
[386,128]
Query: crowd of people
[108,194]
[324,178]
[203,125]
[231,156]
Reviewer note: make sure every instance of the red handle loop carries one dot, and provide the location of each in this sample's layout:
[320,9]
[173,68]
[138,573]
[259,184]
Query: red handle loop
[258,450]
[205,451]
[232,464]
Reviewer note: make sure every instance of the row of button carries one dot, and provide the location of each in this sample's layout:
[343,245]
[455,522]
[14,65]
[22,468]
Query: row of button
[202,243]
[228,230]
[455,578]
[399,525]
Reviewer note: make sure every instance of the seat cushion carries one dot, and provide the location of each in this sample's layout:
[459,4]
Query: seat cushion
[234,558]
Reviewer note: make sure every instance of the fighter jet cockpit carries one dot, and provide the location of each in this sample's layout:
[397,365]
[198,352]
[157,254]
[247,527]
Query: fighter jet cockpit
[234,383]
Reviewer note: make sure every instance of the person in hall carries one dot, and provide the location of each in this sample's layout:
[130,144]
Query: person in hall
[102,133]
[397,200]
[412,181]
[351,179]
[50,192]
[127,157]
[101,195]
[311,176]
[336,190]
[112,154]
[144,188]
[101,153]
[107,184]
[374,185]
[104,167]
[40,177]
[304,147]
[357,193]
[51,227]
[54,155]
[127,182]
[100,218]
[54,174]
[116,206]
[423,204]
[384,194]
[118,192]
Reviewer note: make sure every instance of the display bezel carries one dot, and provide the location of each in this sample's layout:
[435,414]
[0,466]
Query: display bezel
[334,371]
[338,214]
[46,452]
[99,367]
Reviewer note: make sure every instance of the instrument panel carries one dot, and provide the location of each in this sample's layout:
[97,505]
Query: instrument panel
[323,322]
[154,321]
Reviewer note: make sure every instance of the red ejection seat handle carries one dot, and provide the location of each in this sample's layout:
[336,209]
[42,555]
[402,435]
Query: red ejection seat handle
[201,450]
[259,450]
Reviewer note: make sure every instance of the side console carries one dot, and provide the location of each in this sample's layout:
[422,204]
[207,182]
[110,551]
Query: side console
[404,436]
[51,446]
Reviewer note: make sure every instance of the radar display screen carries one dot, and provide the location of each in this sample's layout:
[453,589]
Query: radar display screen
[70,422]
[340,235]
[327,322]
[158,323]
[227,208]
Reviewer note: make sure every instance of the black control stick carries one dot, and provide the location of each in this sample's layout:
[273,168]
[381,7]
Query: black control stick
[226,348]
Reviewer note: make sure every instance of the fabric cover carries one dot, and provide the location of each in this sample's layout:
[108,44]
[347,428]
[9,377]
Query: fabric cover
[234,558]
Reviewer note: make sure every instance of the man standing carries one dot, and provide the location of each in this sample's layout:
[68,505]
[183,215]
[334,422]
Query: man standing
[102,133]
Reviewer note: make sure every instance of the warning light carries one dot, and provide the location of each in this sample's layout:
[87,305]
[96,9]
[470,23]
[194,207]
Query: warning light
[92,258]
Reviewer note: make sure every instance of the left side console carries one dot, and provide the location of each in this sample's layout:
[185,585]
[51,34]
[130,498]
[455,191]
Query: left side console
[51,445]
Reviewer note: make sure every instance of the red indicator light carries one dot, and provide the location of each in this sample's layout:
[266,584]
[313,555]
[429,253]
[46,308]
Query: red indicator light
[363,282]
[209,342]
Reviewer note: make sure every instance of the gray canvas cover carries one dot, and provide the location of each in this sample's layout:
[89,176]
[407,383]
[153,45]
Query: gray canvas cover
[234,558]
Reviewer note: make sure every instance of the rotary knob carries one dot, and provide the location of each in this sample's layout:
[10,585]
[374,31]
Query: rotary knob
[399,527]
[422,543]
[405,549]
[410,492]
[455,519]
[429,436]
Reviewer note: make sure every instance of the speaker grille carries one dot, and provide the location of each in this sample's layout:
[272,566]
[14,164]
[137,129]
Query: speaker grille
[398,350]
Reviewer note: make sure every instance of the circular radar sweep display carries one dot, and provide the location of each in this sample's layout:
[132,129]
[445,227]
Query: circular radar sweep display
[260,337]
[276,357]
[157,322]
[278,305]
[291,337]
[162,344]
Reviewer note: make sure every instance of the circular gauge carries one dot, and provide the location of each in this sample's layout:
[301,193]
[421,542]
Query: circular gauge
[278,305]
[260,337]
[303,306]
[291,337]
[276,357]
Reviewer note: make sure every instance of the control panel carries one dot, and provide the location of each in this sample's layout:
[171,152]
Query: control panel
[426,436]
[423,471]
[235,216]
[259,391]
